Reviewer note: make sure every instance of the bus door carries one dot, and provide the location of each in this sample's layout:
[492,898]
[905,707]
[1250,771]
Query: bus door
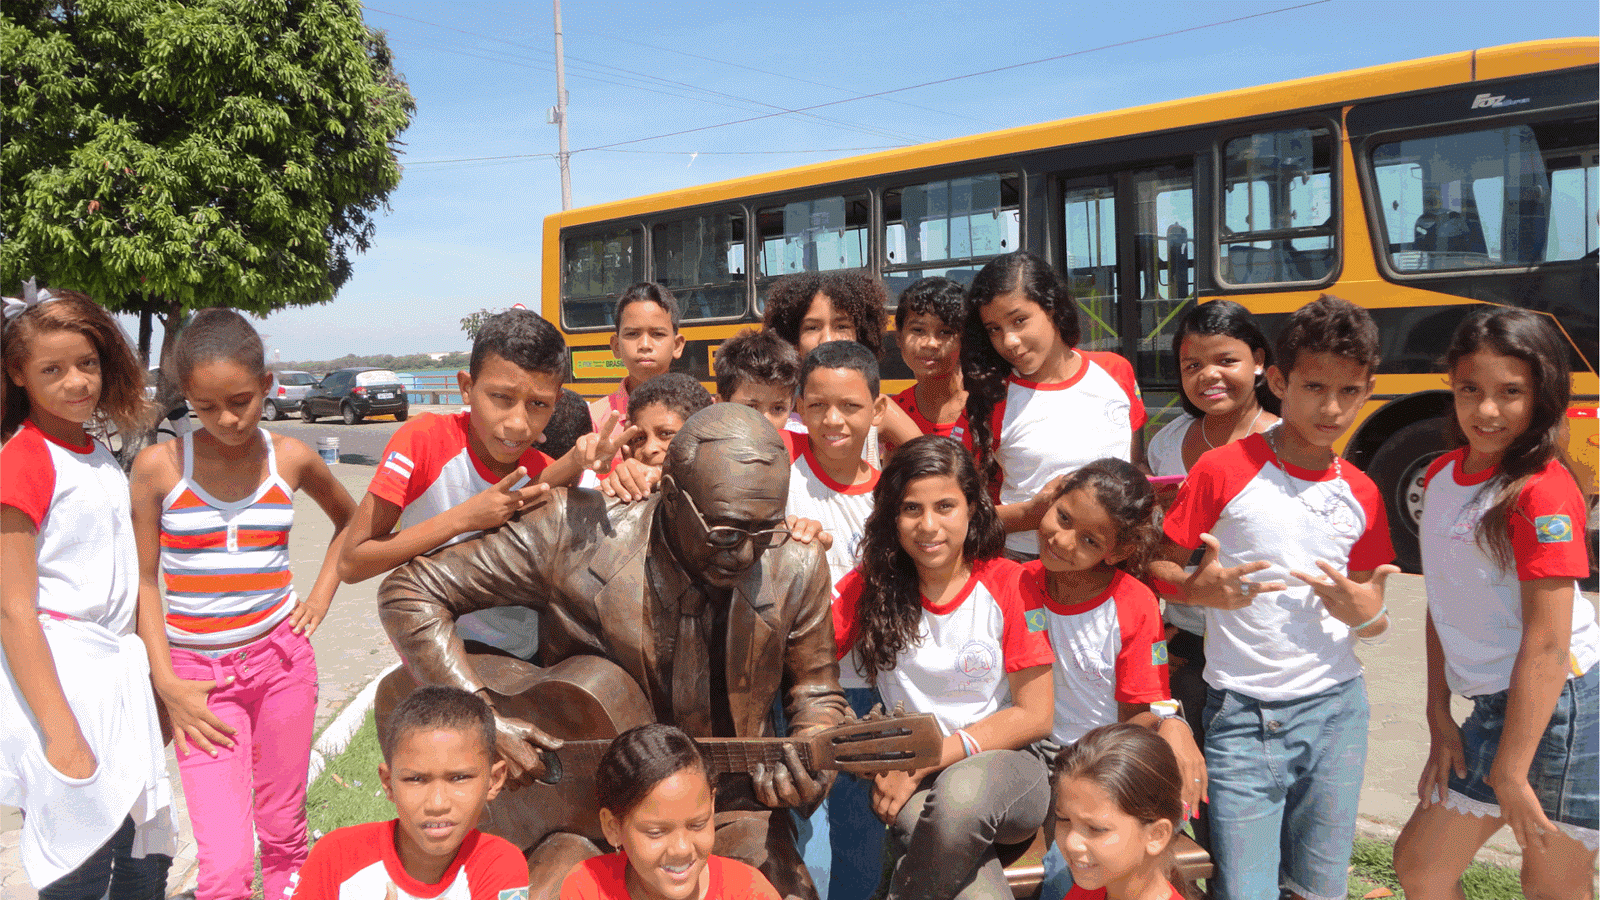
[1129,258]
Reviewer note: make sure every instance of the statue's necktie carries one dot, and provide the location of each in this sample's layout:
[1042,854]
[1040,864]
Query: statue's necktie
[691,665]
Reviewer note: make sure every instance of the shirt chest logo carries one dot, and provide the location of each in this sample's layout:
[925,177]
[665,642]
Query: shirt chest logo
[977,660]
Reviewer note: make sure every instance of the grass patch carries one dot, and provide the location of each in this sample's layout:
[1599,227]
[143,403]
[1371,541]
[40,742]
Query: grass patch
[348,791]
[1372,867]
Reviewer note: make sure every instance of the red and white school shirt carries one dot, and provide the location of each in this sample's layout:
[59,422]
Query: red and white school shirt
[428,469]
[1476,605]
[1108,648]
[606,878]
[1044,430]
[956,666]
[1284,645]
[907,400]
[360,862]
[842,509]
[77,499]
[76,496]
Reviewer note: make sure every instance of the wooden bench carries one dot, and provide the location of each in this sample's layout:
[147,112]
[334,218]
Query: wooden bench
[1025,865]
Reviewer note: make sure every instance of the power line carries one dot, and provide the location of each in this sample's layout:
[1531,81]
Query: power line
[516,156]
[780,110]
[955,78]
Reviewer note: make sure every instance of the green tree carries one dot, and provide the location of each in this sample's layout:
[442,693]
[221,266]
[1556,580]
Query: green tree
[168,155]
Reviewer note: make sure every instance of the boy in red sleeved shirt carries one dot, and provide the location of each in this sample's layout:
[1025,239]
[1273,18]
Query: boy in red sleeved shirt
[443,479]
[1286,742]
[439,770]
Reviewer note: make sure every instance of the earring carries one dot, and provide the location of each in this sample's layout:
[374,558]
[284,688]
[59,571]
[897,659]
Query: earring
[1258,370]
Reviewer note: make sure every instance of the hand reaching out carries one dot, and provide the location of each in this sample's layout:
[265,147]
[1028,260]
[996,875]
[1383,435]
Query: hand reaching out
[1351,602]
[1225,588]
[496,504]
[597,449]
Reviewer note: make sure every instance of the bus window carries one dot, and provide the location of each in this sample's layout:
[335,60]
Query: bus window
[949,227]
[595,268]
[1091,264]
[1512,196]
[819,235]
[1164,256]
[701,260]
[1277,208]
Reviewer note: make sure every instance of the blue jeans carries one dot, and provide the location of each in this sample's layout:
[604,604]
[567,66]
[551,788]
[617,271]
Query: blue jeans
[1057,875]
[113,866]
[1285,788]
[842,841]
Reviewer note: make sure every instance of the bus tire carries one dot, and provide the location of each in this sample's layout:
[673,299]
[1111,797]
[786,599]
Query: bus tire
[1398,468]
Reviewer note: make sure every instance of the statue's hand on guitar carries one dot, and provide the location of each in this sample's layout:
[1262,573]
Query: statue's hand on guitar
[790,784]
[523,746]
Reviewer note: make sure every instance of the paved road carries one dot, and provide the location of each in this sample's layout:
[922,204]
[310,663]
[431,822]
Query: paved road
[352,649]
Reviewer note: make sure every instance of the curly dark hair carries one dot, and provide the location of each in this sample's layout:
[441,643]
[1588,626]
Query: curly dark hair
[1127,497]
[1328,324]
[1528,336]
[890,611]
[983,369]
[856,294]
[937,296]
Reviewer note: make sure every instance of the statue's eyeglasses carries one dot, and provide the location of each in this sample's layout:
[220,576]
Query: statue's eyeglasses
[726,537]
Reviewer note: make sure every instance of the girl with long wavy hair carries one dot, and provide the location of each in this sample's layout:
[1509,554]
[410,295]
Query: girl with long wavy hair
[1038,407]
[937,619]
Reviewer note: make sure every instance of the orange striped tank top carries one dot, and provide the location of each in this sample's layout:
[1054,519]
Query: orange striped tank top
[226,565]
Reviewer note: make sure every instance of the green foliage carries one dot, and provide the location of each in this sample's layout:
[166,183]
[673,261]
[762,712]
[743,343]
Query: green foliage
[473,321]
[168,155]
[1372,866]
[356,795]
[407,363]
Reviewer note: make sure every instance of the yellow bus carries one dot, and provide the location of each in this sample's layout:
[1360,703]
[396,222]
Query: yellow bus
[1420,190]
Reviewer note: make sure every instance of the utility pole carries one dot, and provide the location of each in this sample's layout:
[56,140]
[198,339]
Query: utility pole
[560,115]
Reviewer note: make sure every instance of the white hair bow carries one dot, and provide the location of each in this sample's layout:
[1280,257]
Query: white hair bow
[31,296]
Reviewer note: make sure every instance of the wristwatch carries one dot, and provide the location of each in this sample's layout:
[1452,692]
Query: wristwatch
[1168,709]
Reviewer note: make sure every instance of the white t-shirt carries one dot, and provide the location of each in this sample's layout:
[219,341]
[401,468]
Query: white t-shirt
[1044,430]
[1284,645]
[1476,605]
[77,499]
[427,469]
[956,667]
[1108,649]
[1164,455]
[842,509]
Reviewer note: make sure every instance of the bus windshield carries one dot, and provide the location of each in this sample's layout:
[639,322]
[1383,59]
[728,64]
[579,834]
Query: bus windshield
[1501,197]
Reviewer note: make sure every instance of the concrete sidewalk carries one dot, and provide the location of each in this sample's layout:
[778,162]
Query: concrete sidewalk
[352,650]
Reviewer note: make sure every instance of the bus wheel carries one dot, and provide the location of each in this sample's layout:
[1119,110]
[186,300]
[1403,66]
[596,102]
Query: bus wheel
[1398,469]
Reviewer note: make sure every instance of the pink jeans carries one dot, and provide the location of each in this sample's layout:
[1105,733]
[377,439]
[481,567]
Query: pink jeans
[271,703]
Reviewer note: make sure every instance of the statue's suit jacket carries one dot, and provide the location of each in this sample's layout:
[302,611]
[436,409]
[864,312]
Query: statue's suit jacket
[601,582]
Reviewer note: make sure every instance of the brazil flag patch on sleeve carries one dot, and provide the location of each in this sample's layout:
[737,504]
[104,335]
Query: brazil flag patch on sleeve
[1035,618]
[1553,529]
[1158,653]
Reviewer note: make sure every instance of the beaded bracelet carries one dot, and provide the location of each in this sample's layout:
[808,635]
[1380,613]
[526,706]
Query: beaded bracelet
[1372,621]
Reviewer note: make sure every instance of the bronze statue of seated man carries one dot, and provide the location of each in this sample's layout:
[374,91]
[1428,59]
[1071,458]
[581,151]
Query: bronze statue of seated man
[691,608]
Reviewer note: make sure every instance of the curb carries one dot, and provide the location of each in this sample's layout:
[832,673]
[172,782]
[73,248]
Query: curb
[334,738]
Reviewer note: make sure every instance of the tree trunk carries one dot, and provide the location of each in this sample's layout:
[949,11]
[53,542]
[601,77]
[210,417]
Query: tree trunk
[168,394]
[144,337]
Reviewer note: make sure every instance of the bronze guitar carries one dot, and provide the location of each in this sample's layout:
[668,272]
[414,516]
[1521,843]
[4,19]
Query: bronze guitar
[588,700]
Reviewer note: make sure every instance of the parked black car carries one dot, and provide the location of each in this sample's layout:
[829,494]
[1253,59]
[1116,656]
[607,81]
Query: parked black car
[355,394]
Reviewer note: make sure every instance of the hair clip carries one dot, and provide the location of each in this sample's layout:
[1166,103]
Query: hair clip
[31,296]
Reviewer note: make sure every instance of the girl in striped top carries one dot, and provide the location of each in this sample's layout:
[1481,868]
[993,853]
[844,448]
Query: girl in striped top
[230,647]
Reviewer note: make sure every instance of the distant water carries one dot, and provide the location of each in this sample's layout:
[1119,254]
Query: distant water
[417,380]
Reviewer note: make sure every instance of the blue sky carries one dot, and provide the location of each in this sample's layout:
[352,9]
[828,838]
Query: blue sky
[467,235]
